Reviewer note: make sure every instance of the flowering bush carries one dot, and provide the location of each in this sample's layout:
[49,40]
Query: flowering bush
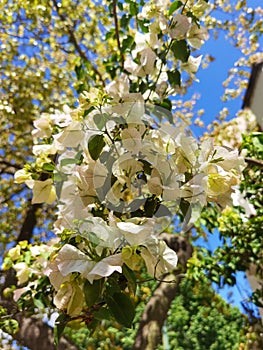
[121,167]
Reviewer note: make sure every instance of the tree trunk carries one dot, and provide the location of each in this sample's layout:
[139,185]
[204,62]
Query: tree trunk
[150,329]
[37,335]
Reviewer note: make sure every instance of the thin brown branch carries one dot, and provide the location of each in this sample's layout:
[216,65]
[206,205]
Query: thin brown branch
[252,161]
[116,24]
[73,40]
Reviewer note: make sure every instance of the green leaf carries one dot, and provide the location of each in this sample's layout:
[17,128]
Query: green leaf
[67,161]
[124,22]
[39,300]
[174,78]
[93,291]
[60,325]
[175,6]
[184,207]
[143,25]
[102,314]
[80,72]
[127,43]
[122,308]
[134,9]
[95,146]
[9,326]
[100,120]
[130,277]
[181,50]
[48,167]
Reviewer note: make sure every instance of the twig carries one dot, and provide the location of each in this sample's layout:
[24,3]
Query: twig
[73,40]
[117,30]
[253,161]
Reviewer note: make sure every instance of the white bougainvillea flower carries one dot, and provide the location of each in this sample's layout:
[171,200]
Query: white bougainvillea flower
[147,59]
[71,136]
[77,299]
[158,257]
[62,297]
[119,88]
[18,292]
[62,119]
[155,183]
[240,200]
[43,127]
[22,272]
[97,231]
[131,257]
[14,252]
[106,267]
[125,169]
[199,8]
[85,183]
[43,191]
[54,275]
[71,206]
[219,183]
[70,298]
[145,41]
[179,26]
[137,231]
[192,65]
[130,65]
[71,259]
[197,35]
[220,156]
[22,176]
[44,151]
[131,139]
[131,108]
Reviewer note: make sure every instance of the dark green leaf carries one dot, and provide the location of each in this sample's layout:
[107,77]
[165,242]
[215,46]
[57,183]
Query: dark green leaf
[120,4]
[143,25]
[184,207]
[95,146]
[150,206]
[122,308]
[102,314]
[181,50]
[167,104]
[174,78]
[134,9]
[93,291]
[175,6]
[130,277]
[124,22]
[60,325]
[127,43]
[87,111]
[80,72]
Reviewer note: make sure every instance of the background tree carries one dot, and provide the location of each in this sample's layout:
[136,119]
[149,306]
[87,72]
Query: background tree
[55,50]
